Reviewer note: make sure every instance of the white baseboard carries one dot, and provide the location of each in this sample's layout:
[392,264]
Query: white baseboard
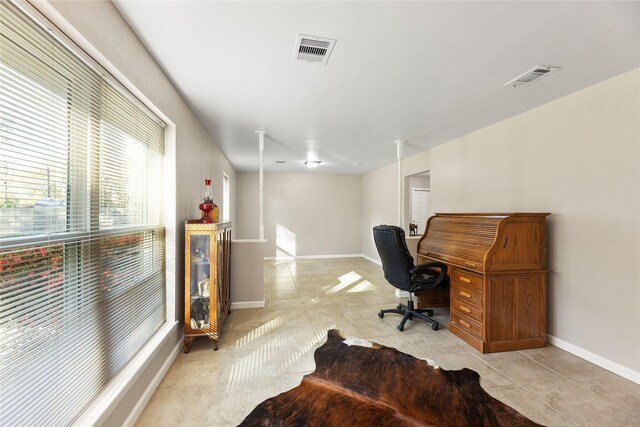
[271,258]
[241,241]
[239,305]
[368,258]
[607,364]
[153,386]
[373,260]
[329,256]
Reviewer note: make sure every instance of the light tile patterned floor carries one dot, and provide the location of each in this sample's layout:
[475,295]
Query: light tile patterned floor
[267,351]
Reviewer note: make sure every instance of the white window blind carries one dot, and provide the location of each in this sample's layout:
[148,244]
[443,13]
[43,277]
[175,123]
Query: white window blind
[82,250]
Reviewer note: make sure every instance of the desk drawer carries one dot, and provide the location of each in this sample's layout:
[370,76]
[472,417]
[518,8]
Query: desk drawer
[450,259]
[466,293]
[466,308]
[467,279]
[466,323]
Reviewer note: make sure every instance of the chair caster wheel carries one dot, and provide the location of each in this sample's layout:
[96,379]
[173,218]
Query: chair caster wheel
[381,315]
[434,327]
[399,307]
[400,328]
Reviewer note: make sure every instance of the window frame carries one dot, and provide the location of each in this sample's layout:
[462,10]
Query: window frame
[70,238]
[226,198]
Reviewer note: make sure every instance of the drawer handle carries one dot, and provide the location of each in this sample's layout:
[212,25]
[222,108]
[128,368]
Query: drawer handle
[465,324]
[465,294]
[470,264]
[465,309]
[464,279]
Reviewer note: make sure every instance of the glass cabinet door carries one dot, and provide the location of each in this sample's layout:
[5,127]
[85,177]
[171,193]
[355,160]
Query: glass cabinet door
[200,286]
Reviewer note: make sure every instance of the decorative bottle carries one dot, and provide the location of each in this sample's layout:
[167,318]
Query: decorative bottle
[208,208]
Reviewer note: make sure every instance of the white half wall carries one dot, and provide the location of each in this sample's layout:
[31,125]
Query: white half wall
[305,214]
[577,157]
[247,272]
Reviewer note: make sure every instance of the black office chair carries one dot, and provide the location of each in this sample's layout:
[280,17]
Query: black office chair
[400,271]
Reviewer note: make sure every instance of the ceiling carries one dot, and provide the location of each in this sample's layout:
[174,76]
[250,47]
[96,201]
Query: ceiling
[425,72]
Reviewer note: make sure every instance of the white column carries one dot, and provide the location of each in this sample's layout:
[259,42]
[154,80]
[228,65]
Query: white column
[261,135]
[399,146]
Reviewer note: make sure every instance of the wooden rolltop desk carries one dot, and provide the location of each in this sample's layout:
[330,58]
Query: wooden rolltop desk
[498,276]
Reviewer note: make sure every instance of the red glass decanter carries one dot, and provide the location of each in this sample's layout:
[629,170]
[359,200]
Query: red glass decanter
[208,208]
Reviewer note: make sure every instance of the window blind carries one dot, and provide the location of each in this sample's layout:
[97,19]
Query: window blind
[82,251]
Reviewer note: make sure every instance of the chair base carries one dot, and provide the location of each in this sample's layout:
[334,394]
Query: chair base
[409,312]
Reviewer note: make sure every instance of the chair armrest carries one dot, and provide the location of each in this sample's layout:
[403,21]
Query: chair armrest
[428,267]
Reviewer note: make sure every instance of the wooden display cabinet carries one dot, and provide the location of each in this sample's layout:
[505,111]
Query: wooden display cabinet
[206,286]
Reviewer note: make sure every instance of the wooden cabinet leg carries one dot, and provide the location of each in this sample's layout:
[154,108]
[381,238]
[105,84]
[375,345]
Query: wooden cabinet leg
[215,343]
[187,344]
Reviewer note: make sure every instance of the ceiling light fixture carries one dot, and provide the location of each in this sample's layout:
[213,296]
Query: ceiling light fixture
[312,164]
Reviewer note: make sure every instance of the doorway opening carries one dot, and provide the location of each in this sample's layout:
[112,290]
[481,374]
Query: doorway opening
[418,202]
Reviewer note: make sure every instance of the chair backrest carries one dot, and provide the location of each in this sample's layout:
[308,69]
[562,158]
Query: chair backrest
[394,254]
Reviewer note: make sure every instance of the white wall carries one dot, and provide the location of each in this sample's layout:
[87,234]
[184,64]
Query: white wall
[577,157]
[247,203]
[379,204]
[380,197]
[317,214]
[100,30]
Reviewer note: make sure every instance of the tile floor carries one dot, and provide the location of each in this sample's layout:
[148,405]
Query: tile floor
[267,351]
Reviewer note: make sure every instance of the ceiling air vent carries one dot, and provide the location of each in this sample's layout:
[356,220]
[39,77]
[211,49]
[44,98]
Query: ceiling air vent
[532,75]
[313,49]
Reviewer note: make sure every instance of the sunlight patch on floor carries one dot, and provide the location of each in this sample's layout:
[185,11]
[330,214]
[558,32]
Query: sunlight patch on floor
[364,286]
[256,333]
[273,324]
[346,280]
[279,349]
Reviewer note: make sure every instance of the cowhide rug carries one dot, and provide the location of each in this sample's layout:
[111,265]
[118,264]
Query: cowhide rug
[357,383]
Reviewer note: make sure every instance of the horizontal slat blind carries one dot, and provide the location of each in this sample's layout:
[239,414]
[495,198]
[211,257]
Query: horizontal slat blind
[82,243]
